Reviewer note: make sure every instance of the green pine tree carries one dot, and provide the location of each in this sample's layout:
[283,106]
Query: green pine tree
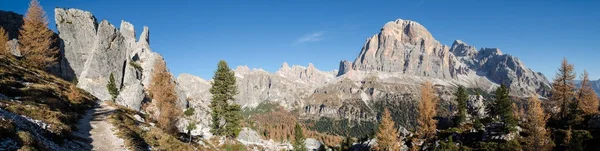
[503,108]
[112,87]
[298,138]
[225,117]
[461,98]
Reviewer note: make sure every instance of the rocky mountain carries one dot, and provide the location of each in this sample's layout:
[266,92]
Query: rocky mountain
[93,51]
[405,47]
[387,73]
[595,85]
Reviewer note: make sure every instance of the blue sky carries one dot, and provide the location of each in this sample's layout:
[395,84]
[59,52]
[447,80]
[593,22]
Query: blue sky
[193,35]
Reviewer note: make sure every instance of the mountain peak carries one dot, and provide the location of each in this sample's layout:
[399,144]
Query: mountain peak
[460,48]
[406,30]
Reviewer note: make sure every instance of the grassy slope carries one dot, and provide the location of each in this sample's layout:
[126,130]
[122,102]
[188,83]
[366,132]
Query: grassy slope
[41,97]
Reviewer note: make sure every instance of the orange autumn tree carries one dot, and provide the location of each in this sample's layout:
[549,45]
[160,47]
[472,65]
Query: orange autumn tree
[162,90]
[3,40]
[35,39]
[563,86]
[427,111]
[587,99]
[387,135]
[539,135]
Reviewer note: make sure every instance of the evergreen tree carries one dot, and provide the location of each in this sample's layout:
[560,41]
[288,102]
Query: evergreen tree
[461,98]
[298,138]
[347,143]
[586,96]
[447,146]
[191,122]
[563,89]
[427,125]
[233,118]
[35,39]
[4,51]
[504,108]
[387,134]
[539,136]
[225,117]
[112,87]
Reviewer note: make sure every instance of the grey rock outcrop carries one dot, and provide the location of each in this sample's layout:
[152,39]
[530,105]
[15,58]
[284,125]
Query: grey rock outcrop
[196,91]
[77,31]
[476,106]
[90,52]
[253,140]
[13,47]
[345,67]
[108,57]
[312,144]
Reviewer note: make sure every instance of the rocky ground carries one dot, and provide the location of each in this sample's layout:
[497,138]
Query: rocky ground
[97,129]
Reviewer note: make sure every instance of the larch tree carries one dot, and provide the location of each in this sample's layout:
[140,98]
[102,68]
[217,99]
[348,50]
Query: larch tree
[587,99]
[3,40]
[162,90]
[539,136]
[563,88]
[504,108]
[35,39]
[387,135]
[427,111]
[461,98]
[225,116]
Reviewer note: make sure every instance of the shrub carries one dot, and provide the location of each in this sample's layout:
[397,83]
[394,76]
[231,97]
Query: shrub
[26,138]
[112,87]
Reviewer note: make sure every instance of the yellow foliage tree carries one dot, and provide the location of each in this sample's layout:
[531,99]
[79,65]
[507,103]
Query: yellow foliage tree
[387,135]
[427,111]
[35,39]
[587,97]
[539,138]
[162,90]
[3,40]
[563,88]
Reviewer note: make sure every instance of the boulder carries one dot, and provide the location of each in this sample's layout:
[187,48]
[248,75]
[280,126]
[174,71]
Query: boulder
[312,144]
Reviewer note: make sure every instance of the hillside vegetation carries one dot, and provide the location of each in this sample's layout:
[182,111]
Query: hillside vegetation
[37,109]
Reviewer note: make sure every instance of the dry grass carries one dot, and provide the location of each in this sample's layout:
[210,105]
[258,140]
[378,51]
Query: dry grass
[41,96]
[137,138]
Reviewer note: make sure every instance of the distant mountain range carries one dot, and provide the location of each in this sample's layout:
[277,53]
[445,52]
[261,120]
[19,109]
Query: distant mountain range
[595,85]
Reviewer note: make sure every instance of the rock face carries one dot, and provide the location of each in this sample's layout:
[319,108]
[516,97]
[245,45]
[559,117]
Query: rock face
[13,47]
[252,139]
[406,48]
[90,52]
[11,22]
[196,90]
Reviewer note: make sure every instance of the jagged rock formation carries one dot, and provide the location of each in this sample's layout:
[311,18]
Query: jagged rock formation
[196,91]
[90,52]
[406,48]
